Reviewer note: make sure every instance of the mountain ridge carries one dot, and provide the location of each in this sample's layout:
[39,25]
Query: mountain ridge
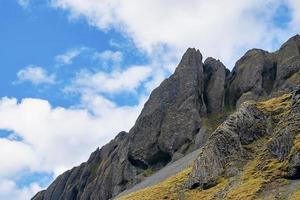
[178,118]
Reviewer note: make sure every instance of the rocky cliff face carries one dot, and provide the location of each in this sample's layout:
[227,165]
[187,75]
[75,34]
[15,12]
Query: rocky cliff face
[171,117]
[173,122]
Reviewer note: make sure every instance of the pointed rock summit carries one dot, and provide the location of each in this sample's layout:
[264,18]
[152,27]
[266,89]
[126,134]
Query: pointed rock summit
[172,115]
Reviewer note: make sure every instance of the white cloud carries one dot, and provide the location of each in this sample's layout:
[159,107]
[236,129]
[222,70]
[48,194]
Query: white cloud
[22,159]
[55,139]
[10,191]
[36,75]
[109,56]
[223,29]
[23,3]
[295,6]
[117,81]
[51,136]
[67,57]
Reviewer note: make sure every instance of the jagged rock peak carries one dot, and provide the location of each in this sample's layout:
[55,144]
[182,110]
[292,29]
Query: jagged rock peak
[214,63]
[293,40]
[172,111]
[192,57]
[192,52]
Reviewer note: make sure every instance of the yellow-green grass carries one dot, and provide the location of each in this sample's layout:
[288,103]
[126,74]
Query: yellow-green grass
[295,195]
[168,189]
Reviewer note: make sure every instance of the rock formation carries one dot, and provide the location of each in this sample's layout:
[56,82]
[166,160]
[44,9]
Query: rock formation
[261,137]
[174,120]
[260,74]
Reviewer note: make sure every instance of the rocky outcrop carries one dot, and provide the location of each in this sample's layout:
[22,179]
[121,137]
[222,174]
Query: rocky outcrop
[171,117]
[252,76]
[260,142]
[174,122]
[225,146]
[260,74]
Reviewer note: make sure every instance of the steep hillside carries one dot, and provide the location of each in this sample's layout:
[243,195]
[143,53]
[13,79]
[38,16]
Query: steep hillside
[254,154]
[179,117]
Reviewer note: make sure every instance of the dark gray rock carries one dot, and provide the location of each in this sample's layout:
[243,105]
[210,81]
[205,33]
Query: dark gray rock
[253,75]
[288,60]
[229,148]
[226,146]
[215,76]
[172,116]
[40,195]
[294,166]
[296,95]
[281,146]
[260,74]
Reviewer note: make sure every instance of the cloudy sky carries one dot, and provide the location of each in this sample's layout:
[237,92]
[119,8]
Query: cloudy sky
[74,73]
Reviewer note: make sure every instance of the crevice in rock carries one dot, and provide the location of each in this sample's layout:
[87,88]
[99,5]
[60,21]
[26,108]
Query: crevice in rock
[269,77]
[196,130]
[207,77]
[298,49]
[160,158]
[186,145]
[209,185]
[235,97]
[194,186]
[296,174]
[206,101]
[230,100]
[137,163]
[123,182]
[74,193]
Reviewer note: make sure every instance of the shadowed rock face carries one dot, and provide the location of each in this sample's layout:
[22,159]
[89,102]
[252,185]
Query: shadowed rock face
[171,122]
[260,74]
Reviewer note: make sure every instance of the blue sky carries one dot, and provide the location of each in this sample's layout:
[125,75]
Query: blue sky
[36,34]
[75,73]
